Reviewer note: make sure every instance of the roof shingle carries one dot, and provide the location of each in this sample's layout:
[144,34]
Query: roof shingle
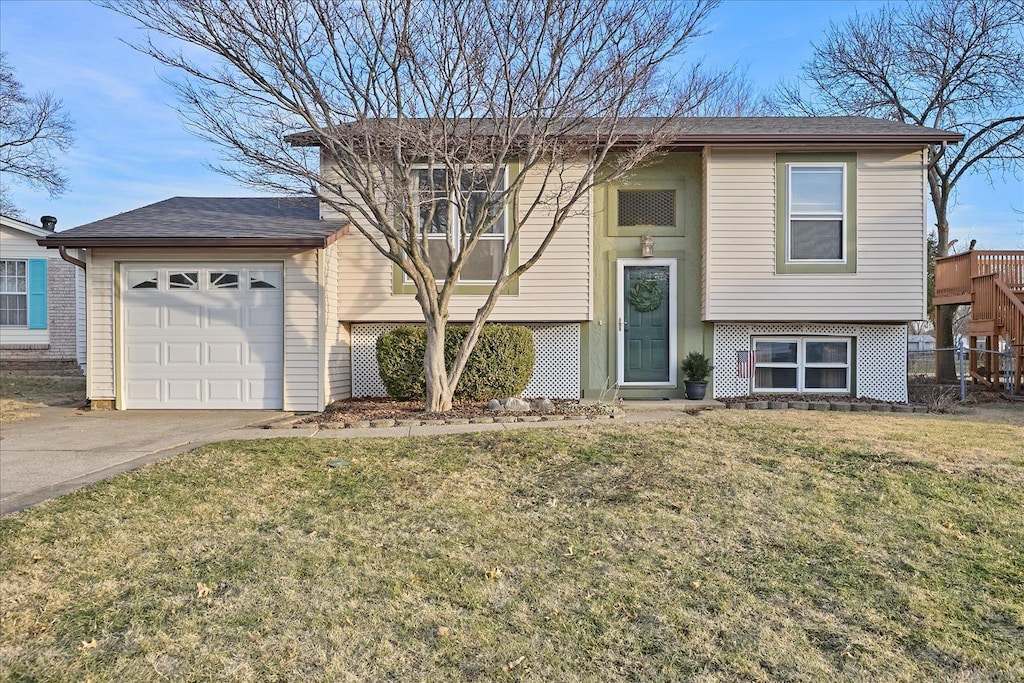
[270,221]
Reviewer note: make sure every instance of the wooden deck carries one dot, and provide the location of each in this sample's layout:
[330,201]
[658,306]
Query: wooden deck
[953,274]
[992,282]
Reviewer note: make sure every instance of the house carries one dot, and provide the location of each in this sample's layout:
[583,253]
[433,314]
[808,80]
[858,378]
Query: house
[791,250]
[920,342]
[42,298]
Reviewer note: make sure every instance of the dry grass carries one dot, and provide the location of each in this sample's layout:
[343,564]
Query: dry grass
[732,546]
[23,393]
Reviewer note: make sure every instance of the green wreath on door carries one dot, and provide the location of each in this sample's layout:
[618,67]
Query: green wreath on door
[646,295]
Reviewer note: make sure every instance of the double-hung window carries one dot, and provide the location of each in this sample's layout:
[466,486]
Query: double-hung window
[816,365]
[817,213]
[13,293]
[446,208]
[816,207]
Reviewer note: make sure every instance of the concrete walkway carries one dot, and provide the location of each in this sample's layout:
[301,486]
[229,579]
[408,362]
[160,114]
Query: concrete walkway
[65,449]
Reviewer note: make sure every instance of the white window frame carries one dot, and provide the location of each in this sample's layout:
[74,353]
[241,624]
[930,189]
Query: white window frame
[790,216]
[801,364]
[456,232]
[23,294]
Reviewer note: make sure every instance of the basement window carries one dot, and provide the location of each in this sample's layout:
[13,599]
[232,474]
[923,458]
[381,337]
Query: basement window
[815,365]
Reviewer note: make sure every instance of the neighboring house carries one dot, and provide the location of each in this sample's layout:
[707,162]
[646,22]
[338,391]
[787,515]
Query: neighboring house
[791,250]
[42,297]
[920,342]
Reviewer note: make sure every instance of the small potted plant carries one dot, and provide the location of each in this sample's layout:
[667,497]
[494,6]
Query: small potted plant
[696,368]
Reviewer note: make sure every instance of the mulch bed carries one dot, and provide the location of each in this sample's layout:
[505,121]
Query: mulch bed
[369,409]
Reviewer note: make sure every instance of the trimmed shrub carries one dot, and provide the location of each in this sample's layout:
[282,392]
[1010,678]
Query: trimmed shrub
[400,360]
[501,364]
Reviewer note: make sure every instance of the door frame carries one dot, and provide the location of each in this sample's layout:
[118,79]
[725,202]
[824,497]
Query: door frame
[620,314]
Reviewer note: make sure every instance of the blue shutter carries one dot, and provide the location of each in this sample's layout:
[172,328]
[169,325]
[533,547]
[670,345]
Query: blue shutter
[37,294]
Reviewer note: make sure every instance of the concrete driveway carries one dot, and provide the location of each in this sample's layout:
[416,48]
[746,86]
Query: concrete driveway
[65,448]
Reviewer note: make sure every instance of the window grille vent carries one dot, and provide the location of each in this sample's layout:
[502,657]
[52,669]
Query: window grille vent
[647,207]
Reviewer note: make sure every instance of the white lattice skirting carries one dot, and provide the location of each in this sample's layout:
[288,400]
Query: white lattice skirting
[880,366]
[556,372]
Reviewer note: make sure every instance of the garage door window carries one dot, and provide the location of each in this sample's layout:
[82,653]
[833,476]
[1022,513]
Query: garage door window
[223,280]
[183,280]
[142,279]
[264,279]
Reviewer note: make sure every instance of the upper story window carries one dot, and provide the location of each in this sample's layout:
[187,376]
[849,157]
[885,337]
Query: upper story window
[816,210]
[440,215]
[13,293]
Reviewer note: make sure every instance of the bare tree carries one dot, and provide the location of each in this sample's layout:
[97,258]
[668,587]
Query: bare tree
[418,107]
[952,64]
[32,130]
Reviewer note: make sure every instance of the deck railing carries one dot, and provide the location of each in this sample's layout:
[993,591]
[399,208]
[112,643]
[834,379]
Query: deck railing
[994,302]
[953,273]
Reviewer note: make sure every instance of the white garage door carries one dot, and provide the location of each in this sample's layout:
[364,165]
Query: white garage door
[203,335]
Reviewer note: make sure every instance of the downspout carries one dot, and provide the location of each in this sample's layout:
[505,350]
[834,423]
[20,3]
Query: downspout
[50,223]
[70,259]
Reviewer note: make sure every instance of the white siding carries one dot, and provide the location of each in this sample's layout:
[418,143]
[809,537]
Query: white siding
[337,335]
[99,292]
[556,289]
[15,244]
[740,278]
[302,334]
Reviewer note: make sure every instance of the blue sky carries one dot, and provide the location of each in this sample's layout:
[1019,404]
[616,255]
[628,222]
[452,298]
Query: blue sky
[132,150]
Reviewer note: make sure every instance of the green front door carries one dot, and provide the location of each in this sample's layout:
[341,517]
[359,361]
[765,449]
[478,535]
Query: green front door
[647,331]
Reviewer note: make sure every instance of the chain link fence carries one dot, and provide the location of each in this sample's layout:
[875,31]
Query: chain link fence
[999,365]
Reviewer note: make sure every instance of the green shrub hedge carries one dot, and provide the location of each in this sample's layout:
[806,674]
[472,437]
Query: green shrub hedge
[499,366]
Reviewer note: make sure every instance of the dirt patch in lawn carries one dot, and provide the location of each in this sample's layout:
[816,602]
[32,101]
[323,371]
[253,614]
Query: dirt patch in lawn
[23,393]
[369,409]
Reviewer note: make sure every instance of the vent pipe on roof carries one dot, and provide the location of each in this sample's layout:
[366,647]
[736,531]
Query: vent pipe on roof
[49,223]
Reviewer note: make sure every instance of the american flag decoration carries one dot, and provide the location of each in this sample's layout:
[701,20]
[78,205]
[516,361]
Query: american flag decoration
[744,364]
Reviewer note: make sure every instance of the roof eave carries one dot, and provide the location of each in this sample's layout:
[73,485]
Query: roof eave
[55,242]
[27,228]
[698,140]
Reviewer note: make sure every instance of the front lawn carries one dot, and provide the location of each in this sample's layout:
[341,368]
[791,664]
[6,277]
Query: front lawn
[23,392]
[732,546]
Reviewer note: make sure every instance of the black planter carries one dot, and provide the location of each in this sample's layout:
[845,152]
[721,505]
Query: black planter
[695,390]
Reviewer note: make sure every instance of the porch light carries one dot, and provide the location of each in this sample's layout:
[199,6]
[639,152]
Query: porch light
[647,246]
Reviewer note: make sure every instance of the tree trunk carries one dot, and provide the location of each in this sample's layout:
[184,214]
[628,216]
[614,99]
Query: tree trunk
[945,361]
[439,392]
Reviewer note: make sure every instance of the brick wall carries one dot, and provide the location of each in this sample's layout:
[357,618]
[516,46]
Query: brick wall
[60,300]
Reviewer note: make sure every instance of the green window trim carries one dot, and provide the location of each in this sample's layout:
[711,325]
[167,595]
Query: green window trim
[782,162]
[400,286]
